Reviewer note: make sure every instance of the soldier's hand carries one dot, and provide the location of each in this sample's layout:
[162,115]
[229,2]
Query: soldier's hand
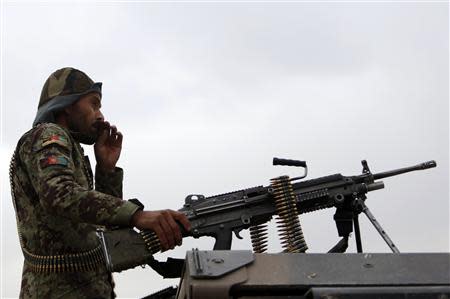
[164,224]
[108,146]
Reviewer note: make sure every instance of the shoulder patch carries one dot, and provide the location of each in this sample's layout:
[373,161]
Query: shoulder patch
[50,160]
[49,134]
[55,139]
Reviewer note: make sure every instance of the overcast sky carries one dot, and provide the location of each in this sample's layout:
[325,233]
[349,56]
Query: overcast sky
[207,93]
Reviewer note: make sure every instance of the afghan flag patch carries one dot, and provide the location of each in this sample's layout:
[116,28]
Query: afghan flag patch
[56,139]
[53,160]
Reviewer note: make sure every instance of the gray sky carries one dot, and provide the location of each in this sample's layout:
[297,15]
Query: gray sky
[207,93]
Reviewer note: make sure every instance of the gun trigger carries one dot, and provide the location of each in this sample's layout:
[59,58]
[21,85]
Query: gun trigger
[237,233]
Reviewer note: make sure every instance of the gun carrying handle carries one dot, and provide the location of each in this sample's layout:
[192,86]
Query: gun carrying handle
[288,162]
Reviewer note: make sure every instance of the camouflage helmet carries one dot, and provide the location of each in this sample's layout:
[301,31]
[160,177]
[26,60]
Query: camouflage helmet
[63,88]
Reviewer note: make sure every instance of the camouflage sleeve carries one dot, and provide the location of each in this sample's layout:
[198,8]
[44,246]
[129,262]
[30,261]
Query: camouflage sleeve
[52,173]
[109,183]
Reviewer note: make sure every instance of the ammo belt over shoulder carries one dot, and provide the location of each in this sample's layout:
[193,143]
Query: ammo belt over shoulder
[74,262]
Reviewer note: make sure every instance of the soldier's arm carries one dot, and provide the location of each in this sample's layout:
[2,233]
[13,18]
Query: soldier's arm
[51,168]
[109,183]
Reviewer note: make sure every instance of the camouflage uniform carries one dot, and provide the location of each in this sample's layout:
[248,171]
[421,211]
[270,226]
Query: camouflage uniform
[58,209]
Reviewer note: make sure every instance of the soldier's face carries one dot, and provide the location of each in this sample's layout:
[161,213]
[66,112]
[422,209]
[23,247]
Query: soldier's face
[85,118]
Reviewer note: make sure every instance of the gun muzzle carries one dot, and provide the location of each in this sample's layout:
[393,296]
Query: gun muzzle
[429,164]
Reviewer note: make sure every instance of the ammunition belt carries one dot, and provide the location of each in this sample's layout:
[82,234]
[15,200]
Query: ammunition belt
[73,262]
[151,241]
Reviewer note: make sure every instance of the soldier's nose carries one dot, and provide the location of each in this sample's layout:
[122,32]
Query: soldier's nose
[100,117]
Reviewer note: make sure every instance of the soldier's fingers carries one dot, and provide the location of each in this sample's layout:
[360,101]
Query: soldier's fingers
[181,217]
[168,233]
[111,135]
[103,136]
[162,237]
[113,131]
[103,133]
[119,138]
[175,229]
[106,126]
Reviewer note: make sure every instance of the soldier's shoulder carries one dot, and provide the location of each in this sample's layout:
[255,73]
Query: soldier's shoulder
[46,134]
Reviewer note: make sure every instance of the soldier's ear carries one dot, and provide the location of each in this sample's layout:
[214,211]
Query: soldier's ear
[67,110]
[64,113]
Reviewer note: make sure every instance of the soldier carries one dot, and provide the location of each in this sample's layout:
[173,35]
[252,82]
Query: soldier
[57,207]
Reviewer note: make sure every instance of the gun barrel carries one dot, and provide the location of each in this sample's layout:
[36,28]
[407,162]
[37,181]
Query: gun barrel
[421,166]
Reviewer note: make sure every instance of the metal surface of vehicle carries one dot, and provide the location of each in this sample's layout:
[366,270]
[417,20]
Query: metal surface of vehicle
[243,274]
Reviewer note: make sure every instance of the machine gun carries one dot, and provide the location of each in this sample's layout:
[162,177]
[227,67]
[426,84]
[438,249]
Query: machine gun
[222,215]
